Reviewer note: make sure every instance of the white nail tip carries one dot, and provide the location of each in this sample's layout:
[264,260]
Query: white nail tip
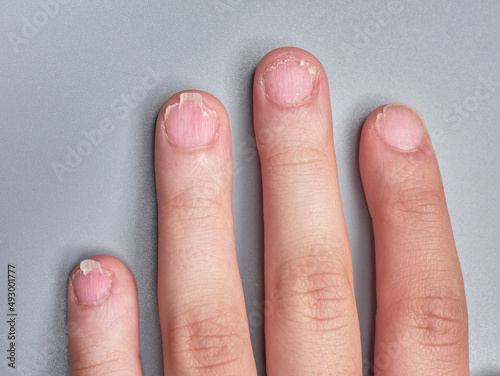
[87,266]
[194,98]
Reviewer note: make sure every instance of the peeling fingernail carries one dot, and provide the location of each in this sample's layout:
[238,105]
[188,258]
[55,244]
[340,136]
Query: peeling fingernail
[190,123]
[91,284]
[290,81]
[400,126]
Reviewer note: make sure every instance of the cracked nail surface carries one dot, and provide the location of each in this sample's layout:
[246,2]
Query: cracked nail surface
[290,81]
[189,123]
[91,283]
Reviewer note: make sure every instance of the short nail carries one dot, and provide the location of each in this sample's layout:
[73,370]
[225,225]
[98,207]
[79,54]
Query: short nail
[290,81]
[91,284]
[190,123]
[400,126]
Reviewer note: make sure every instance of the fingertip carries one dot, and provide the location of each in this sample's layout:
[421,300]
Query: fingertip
[393,138]
[290,77]
[109,263]
[97,277]
[192,133]
[208,99]
[103,317]
[397,125]
[195,134]
[283,53]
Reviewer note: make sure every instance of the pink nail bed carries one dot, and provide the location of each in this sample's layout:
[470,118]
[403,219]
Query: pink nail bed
[290,81]
[91,284]
[190,123]
[400,126]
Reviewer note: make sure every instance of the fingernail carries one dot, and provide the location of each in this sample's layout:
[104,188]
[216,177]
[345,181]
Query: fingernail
[400,126]
[190,123]
[291,81]
[91,284]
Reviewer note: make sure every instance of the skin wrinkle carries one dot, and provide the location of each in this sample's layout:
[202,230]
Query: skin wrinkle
[304,245]
[216,332]
[412,205]
[298,162]
[311,291]
[294,125]
[433,320]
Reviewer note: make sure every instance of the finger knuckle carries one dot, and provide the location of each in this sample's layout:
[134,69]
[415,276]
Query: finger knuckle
[416,206]
[98,361]
[210,339]
[436,320]
[314,292]
[196,203]
[301,162]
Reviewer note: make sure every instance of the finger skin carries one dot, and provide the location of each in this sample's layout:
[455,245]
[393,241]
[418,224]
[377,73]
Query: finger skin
[311,324]
[421,325]
[201,305]
[104,337]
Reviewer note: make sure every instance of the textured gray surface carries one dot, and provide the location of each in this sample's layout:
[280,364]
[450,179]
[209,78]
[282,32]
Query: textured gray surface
[75,70]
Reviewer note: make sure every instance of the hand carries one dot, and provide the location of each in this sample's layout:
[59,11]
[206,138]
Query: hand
[311,323]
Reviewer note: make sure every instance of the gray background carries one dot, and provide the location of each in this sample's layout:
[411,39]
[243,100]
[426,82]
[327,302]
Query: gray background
[66,73]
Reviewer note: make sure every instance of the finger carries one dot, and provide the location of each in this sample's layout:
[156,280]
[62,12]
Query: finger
[202,310]
[312,324]
[421,316]
[103,319]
